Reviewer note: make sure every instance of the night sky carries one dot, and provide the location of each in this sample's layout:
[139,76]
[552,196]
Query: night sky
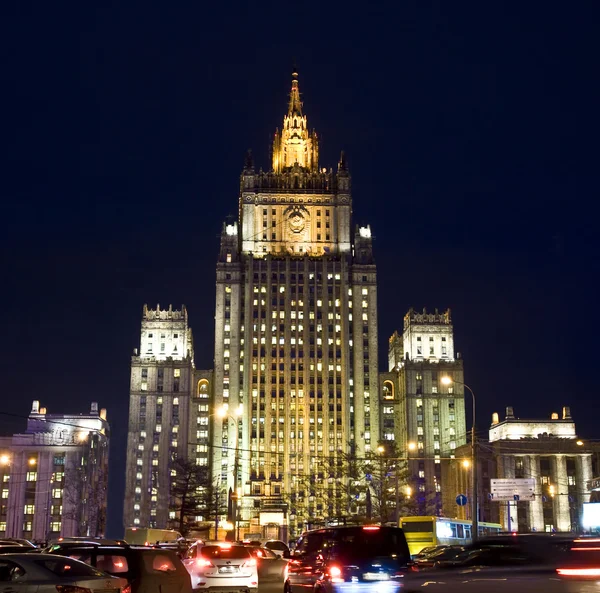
[471,131]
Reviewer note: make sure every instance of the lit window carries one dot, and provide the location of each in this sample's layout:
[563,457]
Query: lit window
[144,386]
[31,476]
[176,372]
[29,509]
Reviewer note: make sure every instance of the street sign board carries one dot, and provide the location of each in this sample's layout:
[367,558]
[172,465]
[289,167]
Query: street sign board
[511,488]
[461,500]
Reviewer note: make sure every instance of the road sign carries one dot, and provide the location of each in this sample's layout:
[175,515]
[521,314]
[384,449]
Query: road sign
[461,500]
[513,489]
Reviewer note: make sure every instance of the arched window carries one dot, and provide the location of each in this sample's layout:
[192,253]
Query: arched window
[388,390]
[202,388]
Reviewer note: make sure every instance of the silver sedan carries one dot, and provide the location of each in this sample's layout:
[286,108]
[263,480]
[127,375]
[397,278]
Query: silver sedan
[45,573]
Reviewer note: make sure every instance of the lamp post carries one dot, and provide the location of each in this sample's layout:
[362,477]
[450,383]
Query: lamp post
[223,412]
[474,502]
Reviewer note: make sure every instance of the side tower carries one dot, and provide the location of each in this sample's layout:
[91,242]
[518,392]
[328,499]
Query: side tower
[296,336]
[159,400]
[432,412]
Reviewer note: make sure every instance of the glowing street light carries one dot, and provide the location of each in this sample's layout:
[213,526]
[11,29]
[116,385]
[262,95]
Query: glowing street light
[4,459]
[412,446]
[223,412]
[446,380]
[381,449]
[466,463]
[32,461]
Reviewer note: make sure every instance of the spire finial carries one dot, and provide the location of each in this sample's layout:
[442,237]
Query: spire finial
[295,106]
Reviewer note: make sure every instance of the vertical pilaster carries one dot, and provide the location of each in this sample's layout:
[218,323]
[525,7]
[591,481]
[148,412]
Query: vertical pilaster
[536,509]
[562,518]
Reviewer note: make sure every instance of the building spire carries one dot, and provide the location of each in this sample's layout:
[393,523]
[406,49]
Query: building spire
[295,105]
[295,146]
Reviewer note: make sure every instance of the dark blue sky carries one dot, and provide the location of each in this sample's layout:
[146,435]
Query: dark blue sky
[471,132]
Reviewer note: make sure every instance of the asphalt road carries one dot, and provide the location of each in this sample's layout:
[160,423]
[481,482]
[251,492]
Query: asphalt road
[270,587]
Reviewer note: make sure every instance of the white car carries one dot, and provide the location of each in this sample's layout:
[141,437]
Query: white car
[46,573]
[223,566]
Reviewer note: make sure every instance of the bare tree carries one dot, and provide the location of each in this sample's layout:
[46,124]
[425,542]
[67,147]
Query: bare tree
[188,483]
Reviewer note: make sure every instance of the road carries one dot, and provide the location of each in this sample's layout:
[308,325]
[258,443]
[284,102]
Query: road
[270,587]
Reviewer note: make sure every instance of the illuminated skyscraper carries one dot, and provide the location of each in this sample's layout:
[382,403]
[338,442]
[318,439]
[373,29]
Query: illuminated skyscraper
[295,333]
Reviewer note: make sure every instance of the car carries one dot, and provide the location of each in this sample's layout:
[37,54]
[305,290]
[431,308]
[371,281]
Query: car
[222,567]
[15,541]
[442,554]
[428,551]
[147,570]
[280,548]
[46,573]
[16,549]
[362,558]
[271,566]
[535,563]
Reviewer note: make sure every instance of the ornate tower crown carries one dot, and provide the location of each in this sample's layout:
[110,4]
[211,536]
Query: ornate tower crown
[295,145]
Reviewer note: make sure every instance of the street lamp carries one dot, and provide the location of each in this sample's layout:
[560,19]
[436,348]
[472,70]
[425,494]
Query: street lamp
[474,503]
[223,412]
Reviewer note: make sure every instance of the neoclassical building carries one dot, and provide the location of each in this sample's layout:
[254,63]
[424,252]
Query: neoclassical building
[295,333]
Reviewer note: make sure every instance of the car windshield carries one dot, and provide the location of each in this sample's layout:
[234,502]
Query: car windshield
[225,552]
[67,567]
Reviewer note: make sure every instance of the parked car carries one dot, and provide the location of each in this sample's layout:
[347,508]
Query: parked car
[535,563]
[45,573]
[360,557]
[147,570]
[225,567]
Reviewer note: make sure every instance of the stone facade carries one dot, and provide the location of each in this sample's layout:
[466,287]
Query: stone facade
[547,450]
[423,415]
[54,476]
[162,381]
[295,333]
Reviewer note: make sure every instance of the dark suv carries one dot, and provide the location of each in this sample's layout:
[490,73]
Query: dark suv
[147,570]
[330,559]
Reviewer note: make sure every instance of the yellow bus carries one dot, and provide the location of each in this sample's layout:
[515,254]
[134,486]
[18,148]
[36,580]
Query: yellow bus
[422,532]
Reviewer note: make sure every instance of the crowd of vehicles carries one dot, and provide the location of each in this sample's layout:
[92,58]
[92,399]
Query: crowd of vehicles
[339,559]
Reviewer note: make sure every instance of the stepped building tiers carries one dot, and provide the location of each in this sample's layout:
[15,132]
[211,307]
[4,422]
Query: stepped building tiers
[295,378]
[295,333]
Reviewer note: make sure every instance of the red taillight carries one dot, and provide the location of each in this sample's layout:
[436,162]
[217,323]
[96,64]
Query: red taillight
[72,589]
[578,572]
[251,562]
[371,528]
[126,589]
[203,562]
[335,573]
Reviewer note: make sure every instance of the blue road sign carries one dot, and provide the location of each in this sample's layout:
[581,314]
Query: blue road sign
[461,500]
